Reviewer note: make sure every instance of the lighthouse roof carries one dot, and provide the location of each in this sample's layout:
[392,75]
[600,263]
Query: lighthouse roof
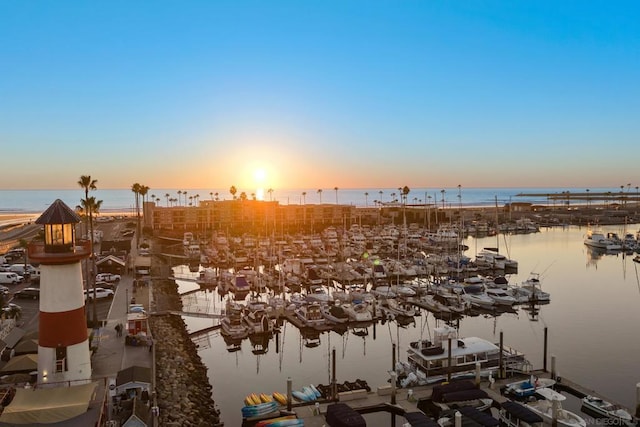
[58,213]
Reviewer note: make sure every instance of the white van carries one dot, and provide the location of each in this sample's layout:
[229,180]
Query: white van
[9,278]
[20,269]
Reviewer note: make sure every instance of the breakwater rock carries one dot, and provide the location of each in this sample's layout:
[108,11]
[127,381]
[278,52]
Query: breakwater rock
[183,390]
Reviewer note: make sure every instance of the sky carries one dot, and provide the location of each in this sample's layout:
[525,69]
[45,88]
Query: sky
[311,94]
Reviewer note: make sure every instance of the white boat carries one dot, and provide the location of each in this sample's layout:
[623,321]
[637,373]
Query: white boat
[615,413]
[477,296]
[232,325]
[311,315]
[318,294]
[400,307]
[529,291]
[598,240]
[358,312]
[500,296]
[257,318]
[544,408]
[527,387]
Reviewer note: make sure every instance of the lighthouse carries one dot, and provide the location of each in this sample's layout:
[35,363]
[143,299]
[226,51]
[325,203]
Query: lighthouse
[63,347]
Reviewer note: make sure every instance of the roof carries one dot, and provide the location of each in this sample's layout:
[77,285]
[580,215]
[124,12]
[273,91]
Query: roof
[110,259]
[58,213]
[22,363]
[521,412]
[13,337]
[48,405]
[138,374]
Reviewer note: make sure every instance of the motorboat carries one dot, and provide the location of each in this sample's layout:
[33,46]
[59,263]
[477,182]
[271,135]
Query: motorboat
[334,313]
[476,295]
[527,387]
[257,318]
[529,291]
[311,315]
[358,312]
[611,411]
[544,408]
[400,307]
[513,414]
[500,296]
[232,324]
[598,240]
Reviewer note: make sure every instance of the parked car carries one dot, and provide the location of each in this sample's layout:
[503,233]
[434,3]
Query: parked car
[9,278]
[106,285]
[4,290]
[99,293]
[31,293]
[108,277]
[11,310]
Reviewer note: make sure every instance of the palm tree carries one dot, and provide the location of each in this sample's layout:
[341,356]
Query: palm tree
[86,183]
[179,198]
[166,195]
[253,196]
[211,194]
[243,196]
[184,193]
[336,190]
[366,200]
[270,191]
[143,192]
[320,193]
[90,204]
[233,190]
[380,192]
[136,190]
[304,197]
[405,193]
[216,194]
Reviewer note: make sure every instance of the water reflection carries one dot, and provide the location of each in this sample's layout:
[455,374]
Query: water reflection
[601,295]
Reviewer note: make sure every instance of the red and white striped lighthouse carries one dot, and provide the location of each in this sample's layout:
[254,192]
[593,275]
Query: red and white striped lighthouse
[63,348]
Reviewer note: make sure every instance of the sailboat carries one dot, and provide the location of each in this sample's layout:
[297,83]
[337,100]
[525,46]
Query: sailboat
[491,257]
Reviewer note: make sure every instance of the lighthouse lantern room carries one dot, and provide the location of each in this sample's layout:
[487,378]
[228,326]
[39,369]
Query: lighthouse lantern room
[63,349]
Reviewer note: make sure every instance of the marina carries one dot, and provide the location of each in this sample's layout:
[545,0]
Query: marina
[303,356]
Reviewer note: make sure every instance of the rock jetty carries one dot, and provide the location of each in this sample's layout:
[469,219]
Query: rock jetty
[183,390]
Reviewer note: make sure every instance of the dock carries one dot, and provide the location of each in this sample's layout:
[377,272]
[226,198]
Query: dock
[399,401]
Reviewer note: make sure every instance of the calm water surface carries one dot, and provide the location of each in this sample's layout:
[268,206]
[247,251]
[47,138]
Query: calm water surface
[592,324]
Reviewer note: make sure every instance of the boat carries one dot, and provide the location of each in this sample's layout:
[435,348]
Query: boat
[432,358]
[598,240]
[527,387]
[544,408]
[458,394]
[232,324]
[529,291]
[477,296]
[611,411]
[513,414]
[311,315]
[399,307]
[358,312]
[257,318]
[636,258]
[334,313]
[500,296]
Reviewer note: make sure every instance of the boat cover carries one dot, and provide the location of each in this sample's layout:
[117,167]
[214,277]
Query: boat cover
[521,412]
[440,390]
[342,415]
[418,419]
[480,417]
[464,395]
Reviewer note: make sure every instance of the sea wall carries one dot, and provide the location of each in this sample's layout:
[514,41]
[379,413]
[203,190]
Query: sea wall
[183,391]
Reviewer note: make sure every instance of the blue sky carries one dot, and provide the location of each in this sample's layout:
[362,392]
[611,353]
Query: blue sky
[203,94]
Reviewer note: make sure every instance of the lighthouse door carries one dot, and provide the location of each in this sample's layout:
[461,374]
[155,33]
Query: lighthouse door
[61,359]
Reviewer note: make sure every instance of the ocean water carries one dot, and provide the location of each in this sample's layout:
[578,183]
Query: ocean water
[123,200]
[592,328]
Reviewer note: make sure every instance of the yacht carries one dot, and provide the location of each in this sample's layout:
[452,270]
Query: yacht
[544,408]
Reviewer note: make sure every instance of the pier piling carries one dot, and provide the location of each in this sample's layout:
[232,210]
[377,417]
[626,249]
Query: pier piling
[553,367]
[478,374]
[544,355]
[334,383]
[289,394]
[457,417]
[638,400]
[501,361]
